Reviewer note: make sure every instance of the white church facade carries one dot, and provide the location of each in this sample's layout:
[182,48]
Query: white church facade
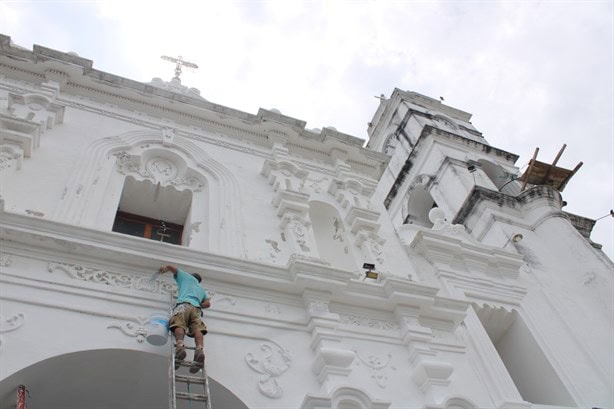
[487,294]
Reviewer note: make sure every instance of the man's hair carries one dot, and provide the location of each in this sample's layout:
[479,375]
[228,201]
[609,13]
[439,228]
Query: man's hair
[197,276]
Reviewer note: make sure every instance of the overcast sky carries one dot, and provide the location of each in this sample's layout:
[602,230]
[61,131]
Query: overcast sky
[533,74]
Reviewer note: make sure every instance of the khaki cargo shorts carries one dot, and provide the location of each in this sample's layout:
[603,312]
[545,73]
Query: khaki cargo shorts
[187,316]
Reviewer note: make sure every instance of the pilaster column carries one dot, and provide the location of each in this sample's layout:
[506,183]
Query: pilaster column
[429,373]
[333,359]
[291,202]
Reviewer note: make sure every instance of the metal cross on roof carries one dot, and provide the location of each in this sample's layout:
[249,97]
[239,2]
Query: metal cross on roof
[179,61]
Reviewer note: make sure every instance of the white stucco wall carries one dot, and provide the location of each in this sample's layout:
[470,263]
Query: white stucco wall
[280,223]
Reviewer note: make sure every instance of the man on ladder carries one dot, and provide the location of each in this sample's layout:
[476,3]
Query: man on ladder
[186,315]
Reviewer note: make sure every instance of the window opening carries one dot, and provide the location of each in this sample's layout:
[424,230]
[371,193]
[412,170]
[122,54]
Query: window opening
[159,230]
[153,211]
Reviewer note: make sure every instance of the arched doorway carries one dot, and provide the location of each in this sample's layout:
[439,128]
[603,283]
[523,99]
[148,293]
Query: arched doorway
[101,379]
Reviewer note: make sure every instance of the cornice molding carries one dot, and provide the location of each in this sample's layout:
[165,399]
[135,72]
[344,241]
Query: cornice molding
[542,195]
[76,75]
[67,241]
[431,134]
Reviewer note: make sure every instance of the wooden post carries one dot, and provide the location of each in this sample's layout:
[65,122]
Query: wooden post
[558,156]
[528,172]
[573,172]
[21,397]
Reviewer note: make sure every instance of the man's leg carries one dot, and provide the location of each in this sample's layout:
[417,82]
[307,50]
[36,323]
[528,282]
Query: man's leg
[179,334]
[199,354]
[199,340]
[180,353]
[197,327]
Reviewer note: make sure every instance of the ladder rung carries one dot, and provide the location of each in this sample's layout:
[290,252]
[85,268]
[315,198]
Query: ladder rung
[186,347]
[190,379]
[191,396]
[188,364]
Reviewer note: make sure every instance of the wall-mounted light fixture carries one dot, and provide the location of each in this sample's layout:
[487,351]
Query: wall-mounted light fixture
[370,273]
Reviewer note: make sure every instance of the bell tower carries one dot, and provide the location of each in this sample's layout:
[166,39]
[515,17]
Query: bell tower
[437,157]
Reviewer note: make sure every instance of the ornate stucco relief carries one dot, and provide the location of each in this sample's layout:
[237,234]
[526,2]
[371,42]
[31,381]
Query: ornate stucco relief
[274,249]
[136,327]
[318,308]
[218,298]
[368,323]
[272,308]
[10,324]
[5,260]
[271,361]
[317,185]
[377,366]
[122,280]
[157,169]
[11,156]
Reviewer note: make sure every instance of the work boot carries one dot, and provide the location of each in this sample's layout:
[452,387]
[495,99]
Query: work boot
[199,361]
[180,354]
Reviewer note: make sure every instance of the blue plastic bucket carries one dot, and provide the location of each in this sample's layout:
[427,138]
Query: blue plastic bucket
[157,328]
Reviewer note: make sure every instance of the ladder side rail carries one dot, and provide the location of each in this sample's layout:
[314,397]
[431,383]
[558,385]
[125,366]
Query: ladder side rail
[172,388]
[206,386]
[171,378]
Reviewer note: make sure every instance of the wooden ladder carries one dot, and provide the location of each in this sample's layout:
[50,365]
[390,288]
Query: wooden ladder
[181,381]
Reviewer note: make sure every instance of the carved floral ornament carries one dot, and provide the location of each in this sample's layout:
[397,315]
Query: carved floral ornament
[377,366]
[271,361]
[136,327]
[284,175]
[318,308]
[122,280]
[11,155]
[5,260]
[158,169]
[376,249]
[272,308]
[369,323]
[10,324]
[134,282]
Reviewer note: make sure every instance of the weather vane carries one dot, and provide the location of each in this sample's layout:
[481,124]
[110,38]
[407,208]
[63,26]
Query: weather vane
[179,61]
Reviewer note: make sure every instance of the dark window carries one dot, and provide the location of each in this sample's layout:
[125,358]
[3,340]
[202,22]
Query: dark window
[159,230]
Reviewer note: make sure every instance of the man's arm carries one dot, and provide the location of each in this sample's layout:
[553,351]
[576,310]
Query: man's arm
[205,304]
[166,269]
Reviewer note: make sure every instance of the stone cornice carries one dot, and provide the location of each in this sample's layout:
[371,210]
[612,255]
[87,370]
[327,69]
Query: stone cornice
[445,251]
[431,104]
[538,196]
[417,104]
[429,133]
[485,148]
[77,76]
[124,253]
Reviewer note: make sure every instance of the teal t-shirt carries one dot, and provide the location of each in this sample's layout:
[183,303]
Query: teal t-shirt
[189,289]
